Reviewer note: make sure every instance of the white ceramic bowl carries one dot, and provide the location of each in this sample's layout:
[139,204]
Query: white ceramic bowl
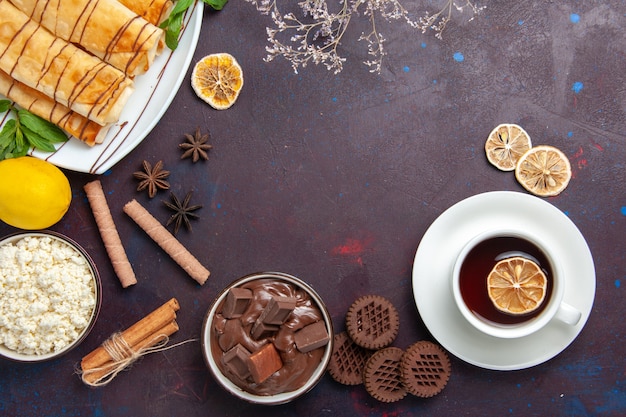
[208,336]
[22,357]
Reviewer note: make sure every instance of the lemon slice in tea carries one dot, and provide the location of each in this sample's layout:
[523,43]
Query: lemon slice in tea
[517,286]
[505,145]
[217,79]
[544,171]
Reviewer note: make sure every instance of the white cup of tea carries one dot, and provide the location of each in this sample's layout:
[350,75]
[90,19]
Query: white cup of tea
[469,284]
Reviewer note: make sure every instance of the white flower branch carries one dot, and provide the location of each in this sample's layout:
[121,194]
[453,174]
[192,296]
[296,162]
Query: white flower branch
[316,36]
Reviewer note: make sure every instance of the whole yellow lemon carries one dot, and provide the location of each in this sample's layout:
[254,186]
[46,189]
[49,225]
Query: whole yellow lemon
[34,194]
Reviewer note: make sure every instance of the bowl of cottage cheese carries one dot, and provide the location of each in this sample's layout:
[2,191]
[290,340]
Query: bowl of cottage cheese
[50,295]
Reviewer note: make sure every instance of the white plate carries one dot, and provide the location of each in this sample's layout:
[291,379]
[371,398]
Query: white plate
[443,241]
[154,91]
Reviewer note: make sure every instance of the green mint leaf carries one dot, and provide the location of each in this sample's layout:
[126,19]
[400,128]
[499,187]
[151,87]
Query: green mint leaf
[48,132]
[20,146]
[19,152]
[8,132]
[174,23]
[19,137]
[5,105]
[181,6]
[25,131]
[37,141]
[216,4]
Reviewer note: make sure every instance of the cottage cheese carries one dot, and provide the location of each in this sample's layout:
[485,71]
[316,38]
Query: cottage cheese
[47,295]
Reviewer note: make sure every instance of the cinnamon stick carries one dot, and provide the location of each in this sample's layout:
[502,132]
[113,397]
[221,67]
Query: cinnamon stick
[138,332]
[108,233]
[158,336]
[167,330]
[167,241]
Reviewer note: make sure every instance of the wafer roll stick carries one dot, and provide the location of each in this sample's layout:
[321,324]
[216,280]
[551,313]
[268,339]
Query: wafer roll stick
[167,241]
[108,232]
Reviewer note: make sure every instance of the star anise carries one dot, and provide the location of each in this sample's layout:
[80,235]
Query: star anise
[183,212]
[152,178]
[195,146]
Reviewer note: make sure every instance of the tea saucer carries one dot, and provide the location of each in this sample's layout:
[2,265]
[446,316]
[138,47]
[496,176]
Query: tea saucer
[443,241]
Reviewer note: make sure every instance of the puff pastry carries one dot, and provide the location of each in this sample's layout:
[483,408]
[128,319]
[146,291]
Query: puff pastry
[105,28]
[154,11]
[43,106]
[80,81]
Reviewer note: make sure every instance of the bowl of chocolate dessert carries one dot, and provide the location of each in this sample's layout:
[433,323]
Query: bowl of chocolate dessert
[267,338]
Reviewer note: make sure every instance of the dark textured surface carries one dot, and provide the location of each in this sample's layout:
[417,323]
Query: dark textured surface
[335,178]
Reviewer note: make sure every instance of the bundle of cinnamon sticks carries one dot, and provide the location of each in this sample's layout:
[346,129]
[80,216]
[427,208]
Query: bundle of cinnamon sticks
[122,349]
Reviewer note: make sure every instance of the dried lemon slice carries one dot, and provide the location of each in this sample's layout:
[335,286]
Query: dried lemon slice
[544,171]
[517,286]
[217,79]
[505,144]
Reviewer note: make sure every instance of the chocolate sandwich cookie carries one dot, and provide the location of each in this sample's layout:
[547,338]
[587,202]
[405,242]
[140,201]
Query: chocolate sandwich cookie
[425,369]
[347,361]
[382,375]
[372,322]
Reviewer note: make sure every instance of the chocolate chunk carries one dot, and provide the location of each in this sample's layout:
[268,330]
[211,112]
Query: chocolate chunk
[236,360]
[284,339]
[236,302]
[262,330]
[277,310]
[311,337]
[264,362]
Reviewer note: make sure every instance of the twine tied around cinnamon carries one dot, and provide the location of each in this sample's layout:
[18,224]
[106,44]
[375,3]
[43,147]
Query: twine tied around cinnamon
[123,356]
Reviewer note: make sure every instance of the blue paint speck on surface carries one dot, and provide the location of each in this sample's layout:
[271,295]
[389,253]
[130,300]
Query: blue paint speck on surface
[520,22]
[570,134]
[614,402]
[458,57]
[574,18]
[618,283]
[434,81]
[423,44]
[406,68]
[334,99]
[577,87]
[623,210]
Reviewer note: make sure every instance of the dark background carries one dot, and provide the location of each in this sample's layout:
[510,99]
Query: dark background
[335,179]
